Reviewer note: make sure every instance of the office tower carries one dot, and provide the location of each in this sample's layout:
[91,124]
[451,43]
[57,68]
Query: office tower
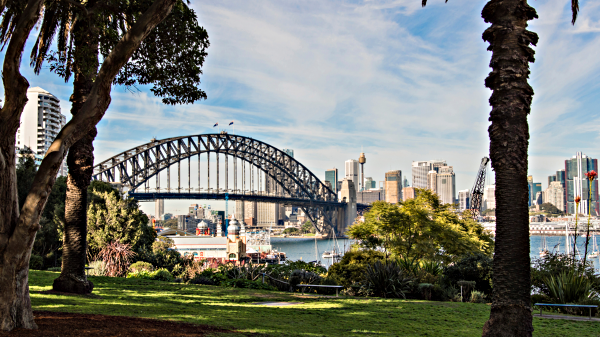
[420,169]
[159,208]
[432,181]
[577,184]
[558,177]
[408,193]
[368,197]
[405,183]
[464,199]
[332,177]
[352,171]
[196,211]
[289,152]
[393,186]
[555,194]
[446,185]
[489,197]
[41,121]
[362,160]
[369,183]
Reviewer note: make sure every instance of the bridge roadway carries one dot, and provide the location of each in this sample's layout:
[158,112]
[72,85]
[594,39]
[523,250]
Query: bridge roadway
[260,197]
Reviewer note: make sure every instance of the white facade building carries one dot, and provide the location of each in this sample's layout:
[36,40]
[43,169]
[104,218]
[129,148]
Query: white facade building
[420,169]
[159,209]
[489,197]
[464,201]
[555,194]
[446,185]
[352,171]
[41,121]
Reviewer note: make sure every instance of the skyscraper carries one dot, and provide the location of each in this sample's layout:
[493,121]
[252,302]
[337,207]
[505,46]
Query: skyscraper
[464,200]
[432,181]
[577,184]
[393,186]
[159,208]
[352,172]
[41,121]
[332,177]
[408,193]
[446,185]
[489,197]
[420,169]
[555,194]
[289,152]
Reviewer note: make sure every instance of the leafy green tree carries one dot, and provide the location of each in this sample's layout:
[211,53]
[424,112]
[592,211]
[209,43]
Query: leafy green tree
[352,268]
[290,230]
[26,170]
[420,228]
[112,218]
[308,227]
[551,209]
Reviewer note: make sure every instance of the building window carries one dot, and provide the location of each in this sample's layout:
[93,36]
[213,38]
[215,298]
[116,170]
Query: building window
[231,256]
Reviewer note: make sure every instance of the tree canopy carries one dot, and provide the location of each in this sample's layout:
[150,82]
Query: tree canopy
[421,228]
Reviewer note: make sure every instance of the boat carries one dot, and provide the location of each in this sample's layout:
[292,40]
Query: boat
[335,252]
[595,252]
[544,251]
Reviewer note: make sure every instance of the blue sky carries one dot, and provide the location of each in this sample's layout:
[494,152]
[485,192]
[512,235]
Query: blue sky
[327,78]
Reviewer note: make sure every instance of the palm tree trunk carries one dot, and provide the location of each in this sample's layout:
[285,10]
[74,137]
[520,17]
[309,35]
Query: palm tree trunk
[80,162]
[510,42]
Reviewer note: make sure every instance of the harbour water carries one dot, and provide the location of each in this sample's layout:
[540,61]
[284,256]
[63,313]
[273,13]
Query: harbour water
[304,248]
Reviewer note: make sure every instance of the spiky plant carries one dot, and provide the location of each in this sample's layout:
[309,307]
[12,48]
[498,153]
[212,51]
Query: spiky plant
[117,257]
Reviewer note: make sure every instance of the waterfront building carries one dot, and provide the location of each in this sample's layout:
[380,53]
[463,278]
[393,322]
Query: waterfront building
[408,193]
[393,186]
[577,184]
[446,185]
[489,197]
[41,121]
[332,177]
[464,197]
[352,171]
[206,246]
[420,169]
[555,194]
[159,208]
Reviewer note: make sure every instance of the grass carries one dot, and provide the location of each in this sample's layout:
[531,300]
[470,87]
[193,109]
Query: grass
[233,308]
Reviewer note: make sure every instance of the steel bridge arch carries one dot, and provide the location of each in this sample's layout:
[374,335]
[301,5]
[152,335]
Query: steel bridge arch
[136,166]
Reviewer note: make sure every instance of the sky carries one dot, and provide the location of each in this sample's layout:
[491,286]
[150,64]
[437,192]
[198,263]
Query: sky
[400,83]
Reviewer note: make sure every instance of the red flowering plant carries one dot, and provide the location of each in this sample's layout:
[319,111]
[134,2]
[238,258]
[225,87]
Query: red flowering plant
[591,175]
[577,201]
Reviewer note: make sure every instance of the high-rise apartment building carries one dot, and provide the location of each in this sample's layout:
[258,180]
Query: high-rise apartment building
[464,197]
[555,194]
[559,176]
[41,121]
[577,184]
[393,186]
[420,169]
[534,188]
[432,181]
[332,177]
[446,185]
[489,197]
[159,208]
[352,172]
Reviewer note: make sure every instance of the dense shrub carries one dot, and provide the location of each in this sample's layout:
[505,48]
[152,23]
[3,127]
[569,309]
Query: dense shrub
[477,268]
[157,275]
[568,287]
[477,297]
[141,265]
[98,268]
[385,279]
[36,262]
[351,269]
[555,264]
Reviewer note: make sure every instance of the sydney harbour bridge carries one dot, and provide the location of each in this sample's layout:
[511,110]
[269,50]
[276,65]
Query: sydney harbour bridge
[225,166]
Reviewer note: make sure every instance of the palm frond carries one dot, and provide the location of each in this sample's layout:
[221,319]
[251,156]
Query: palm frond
[575,10]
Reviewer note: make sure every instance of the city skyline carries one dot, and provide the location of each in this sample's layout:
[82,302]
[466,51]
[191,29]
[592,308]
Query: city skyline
[408,87]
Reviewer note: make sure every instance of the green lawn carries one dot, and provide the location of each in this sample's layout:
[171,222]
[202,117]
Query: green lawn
[233,308]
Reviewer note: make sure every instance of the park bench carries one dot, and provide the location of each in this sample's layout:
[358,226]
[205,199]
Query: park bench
[566,305]
[337,288]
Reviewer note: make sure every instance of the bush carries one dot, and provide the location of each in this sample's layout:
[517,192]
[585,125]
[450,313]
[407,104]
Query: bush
[54,269]
[117,257]
[568,287]
[385,279]
[477,268]
[162,275]
[36,262]
[477,297]
[142,274]
[351,269]
[199,279]
[98,268]
[556,264]
[141,265]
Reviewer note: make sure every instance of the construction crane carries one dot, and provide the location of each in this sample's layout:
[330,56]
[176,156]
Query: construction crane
[476,195]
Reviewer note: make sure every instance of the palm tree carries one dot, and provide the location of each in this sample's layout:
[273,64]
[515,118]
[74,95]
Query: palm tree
[510,43]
